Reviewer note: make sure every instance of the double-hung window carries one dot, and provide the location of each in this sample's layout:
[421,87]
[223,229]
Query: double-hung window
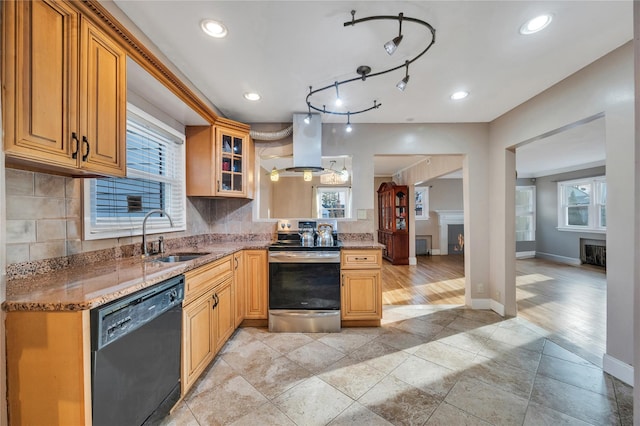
[115,207]
[582,205]
[525,213]
[333,201]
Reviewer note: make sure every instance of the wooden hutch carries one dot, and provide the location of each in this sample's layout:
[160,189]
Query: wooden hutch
[393,222]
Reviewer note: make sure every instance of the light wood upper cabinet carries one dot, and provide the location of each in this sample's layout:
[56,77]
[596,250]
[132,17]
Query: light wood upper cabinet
[64,91]
[220,160]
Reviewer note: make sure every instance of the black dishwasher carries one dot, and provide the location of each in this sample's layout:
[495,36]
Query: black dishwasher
[135,355]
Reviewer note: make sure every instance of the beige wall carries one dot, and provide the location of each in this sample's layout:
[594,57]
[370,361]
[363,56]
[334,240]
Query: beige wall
[292,197]
[604,87]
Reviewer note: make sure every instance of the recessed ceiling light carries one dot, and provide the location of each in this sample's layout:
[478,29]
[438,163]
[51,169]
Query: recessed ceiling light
[459,95]
[213,28]
[252,96]
[536,24]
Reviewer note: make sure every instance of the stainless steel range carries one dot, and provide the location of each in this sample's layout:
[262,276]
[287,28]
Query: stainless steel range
[304,278]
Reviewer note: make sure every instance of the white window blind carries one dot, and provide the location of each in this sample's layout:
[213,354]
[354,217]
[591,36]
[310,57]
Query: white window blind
[155,180]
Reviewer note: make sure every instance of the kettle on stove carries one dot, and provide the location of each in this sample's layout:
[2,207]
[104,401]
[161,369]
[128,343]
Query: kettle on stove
[325,235]
[307,237]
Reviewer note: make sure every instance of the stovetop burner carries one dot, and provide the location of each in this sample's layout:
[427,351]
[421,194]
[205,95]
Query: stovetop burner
[289,245]
[292,241]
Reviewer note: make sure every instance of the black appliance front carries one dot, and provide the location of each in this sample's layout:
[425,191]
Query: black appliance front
[304,286]
[136,357]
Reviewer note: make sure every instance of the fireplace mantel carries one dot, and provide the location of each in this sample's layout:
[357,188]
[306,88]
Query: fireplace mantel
[446,218]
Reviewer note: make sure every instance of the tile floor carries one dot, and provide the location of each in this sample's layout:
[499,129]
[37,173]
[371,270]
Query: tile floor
[427,365]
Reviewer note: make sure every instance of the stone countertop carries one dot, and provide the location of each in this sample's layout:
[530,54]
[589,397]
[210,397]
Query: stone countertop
[361,245]
[81,288]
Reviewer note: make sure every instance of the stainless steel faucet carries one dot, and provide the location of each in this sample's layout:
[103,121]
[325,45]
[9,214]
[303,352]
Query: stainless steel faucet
[144,228]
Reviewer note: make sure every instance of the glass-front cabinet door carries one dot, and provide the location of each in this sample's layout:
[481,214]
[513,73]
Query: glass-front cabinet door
[233,164]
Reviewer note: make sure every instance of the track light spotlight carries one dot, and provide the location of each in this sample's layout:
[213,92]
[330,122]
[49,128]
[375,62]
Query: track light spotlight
[392,45]
[338,100]
[348,128]
[402,84]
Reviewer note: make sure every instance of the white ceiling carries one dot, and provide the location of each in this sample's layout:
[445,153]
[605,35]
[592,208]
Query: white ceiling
[280,48]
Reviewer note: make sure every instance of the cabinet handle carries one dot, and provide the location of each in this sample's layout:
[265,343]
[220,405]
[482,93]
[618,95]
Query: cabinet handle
[342,280]
[85,142]
[74,137]
[361,258]
[236,260]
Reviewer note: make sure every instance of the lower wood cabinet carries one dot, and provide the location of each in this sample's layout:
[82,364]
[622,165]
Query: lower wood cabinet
[361,295]
[256,285]
[224,314]
[198,339]
[48,367]
[239,286]
[208,320]
[361,287]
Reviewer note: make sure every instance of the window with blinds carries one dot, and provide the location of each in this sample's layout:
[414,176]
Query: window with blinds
[155,180]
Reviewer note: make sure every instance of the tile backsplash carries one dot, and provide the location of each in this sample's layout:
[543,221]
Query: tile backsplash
[43,213]
[44,219]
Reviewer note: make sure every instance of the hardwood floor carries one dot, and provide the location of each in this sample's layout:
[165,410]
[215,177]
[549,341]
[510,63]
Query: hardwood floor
[567,301]
[435,280]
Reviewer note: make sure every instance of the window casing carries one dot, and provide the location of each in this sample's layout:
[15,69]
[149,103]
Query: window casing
[422,202]
[333,202]
[582,205]
[115,207]
[525,213]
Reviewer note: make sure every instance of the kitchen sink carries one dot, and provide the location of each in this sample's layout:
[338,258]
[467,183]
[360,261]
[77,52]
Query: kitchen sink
[180,257]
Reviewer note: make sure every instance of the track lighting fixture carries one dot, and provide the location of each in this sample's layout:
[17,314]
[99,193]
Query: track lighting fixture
[402,84]
[348,128]
[392,45]
[364,71]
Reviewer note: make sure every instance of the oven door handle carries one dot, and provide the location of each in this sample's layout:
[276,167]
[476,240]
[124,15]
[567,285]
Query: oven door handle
[302,257]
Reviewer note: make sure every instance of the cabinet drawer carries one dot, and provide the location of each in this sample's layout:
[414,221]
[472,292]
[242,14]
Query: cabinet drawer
[361,259]
[206,277]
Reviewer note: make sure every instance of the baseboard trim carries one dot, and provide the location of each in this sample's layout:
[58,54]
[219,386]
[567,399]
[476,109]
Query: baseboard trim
[618,369]
[525,254]
[435,252]
[413,261]
[488,304]
[481,303]
[497,307]
[560,259]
